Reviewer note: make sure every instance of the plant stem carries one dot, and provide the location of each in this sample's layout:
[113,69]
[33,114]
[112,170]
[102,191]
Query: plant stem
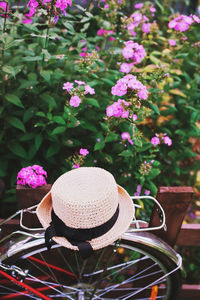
[2,54]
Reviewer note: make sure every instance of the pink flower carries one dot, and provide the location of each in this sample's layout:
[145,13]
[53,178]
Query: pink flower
[181,23]
[75,166]
[146,27]
[172,42]
[125,67]
[146,192]
[138,5]
[104,32]
[68,86]
[83,54]
[155,141]
[75,101]
[32,176]
[27,20]
[152,9]
[79,82]
[84,152]
[133,51]
[89,90]
[117,109]
[125,136]
[127,52]
[167,140]
[62,4]
[134,117]
[5,7]
[196,18]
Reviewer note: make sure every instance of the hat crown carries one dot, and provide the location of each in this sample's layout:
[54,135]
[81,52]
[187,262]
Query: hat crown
[85,197]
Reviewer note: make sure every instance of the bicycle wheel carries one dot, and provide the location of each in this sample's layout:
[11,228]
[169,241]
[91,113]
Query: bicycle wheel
[125,270]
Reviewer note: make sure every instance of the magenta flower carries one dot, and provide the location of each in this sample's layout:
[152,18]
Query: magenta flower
[76,166]
[5,7]
[89,90]
[32,176]
[181,23]
[63,4]
[146,192]
[146,27]
[125,136]
[155,141]
[133,51]
[125,67]
[117,109]
[75,101]
[167,140]
[172,42]
[138,5]
[84,152]
[68,86]
[79,82]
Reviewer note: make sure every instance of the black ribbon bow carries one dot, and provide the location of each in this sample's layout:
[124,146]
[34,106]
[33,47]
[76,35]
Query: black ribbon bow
[78,236]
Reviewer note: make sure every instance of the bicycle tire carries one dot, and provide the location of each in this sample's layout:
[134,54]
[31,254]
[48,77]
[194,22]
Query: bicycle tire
[123,272]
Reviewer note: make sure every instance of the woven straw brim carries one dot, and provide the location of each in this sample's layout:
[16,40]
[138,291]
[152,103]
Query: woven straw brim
[126,214]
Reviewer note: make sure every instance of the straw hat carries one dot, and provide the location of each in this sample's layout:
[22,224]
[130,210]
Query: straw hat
[86,198]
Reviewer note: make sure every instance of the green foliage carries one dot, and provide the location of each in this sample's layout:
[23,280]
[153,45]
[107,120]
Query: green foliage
[39,126]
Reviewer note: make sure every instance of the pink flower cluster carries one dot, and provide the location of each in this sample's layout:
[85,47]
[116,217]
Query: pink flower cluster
[126,136]
[32,176]
[131,82]
[182,22]
[138,191]
[84,151]
[34,4]
[118,109]
[163,138]
[4,6]
[133,51]
[137,18]
[104,32]
[75,100]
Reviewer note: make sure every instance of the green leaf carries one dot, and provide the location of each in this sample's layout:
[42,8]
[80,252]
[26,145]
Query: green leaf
[28,114]
[59,120]
[154,107]
[92,102]
[152,187]
[111,137]
[52,150]
[126,153]
[38,141]
[160,5]
[49,100]
[85,27]
[9,70]
[46,53]
[154,173]
[108,81]
[89,126]
[99,145]
[58,130]
[32,58]
[46,75]
[14,100]
[17,149]
[17,123]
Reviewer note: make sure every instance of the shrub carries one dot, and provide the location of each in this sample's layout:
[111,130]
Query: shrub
[112,84]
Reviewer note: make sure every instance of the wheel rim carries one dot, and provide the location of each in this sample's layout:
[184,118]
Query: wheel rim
[119,271]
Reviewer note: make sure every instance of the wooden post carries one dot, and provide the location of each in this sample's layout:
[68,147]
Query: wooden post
[175,202]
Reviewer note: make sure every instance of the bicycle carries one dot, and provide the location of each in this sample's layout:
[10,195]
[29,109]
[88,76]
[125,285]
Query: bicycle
[138,266]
